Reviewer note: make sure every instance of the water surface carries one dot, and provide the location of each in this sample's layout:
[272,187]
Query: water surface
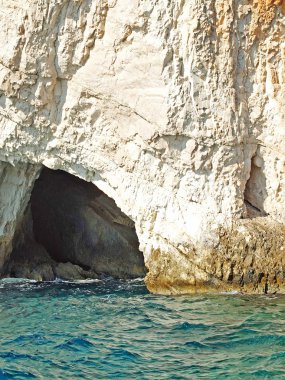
[117,330]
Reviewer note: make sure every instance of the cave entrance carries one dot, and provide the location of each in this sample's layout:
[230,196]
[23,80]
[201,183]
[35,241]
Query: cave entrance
[255,190]
[72,230]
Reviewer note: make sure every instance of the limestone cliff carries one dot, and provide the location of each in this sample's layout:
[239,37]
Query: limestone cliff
[174,109]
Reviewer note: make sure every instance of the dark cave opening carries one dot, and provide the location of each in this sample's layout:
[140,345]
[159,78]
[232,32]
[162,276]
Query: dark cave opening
[72,230]
[255,190]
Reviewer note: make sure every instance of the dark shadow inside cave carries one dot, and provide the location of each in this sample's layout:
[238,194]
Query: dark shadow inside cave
[72,230]
[255,191]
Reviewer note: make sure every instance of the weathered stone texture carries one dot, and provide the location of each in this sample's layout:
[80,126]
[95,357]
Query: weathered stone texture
[175,109]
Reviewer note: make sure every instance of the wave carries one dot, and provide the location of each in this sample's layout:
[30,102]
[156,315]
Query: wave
[12,280]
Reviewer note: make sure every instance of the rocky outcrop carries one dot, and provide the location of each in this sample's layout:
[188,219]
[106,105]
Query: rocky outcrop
[173,109]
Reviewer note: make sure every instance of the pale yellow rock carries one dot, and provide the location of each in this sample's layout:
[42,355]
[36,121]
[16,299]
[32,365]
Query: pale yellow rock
[175,109]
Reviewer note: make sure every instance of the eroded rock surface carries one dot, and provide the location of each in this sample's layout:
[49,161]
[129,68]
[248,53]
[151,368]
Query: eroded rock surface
[174,109]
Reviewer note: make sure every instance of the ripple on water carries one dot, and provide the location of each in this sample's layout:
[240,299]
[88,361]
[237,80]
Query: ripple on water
[115,329]
[121,354]
[14,374]
[196,345]
[191,326]
[75,344]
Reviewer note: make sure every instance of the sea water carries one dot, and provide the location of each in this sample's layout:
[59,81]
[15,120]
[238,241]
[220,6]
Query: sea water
[117,330]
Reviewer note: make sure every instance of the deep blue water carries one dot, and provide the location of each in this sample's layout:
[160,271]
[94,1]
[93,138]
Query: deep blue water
[110,330]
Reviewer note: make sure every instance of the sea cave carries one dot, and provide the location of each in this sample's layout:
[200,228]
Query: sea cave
[72,230]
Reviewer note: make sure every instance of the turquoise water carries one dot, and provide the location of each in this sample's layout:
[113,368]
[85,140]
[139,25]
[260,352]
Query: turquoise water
[110,330]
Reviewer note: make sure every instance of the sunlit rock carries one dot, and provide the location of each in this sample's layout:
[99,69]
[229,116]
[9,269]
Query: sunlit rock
[174,109]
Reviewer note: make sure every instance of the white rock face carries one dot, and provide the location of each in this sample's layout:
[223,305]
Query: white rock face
[175,109]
